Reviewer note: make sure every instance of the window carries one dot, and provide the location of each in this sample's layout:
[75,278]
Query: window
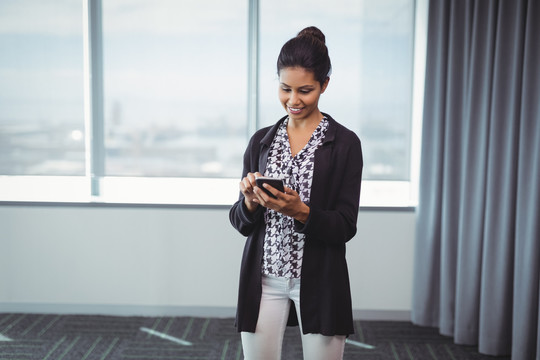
[371,46]
[174,87]
[178,87]
[371,49]
[41,88]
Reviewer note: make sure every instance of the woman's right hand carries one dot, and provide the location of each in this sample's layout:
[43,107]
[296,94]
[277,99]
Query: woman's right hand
[246,188]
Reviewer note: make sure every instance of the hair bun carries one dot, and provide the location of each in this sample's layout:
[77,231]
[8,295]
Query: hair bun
[313,32]
[307,50]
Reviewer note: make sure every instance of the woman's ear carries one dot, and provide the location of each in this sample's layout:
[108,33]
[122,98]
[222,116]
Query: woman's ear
[325,84]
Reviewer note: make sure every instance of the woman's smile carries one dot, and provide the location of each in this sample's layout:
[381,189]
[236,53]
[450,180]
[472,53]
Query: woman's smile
[295,111]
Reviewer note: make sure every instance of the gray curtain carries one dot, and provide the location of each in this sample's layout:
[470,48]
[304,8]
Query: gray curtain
[477,252]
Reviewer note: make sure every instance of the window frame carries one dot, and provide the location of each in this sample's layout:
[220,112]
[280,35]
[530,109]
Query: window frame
[96,187]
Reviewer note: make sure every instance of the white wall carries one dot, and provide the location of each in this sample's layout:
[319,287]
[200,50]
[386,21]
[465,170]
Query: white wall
[109,259]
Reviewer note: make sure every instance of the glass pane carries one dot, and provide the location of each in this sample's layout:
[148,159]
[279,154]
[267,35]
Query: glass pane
[175,87]
[41,88]
[371,49]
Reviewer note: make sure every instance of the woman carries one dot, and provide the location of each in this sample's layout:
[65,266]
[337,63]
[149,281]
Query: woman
[295,250]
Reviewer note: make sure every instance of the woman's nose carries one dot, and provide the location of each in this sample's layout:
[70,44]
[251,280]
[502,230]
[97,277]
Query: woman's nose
[293,98]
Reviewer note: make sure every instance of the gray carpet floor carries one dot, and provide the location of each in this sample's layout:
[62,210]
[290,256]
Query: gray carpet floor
[78,337]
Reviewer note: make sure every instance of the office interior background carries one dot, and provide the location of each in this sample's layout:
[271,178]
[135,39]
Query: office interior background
[122,129]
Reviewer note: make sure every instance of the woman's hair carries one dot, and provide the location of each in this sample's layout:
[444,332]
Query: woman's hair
[307,50]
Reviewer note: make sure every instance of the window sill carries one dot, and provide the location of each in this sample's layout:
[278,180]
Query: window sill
[169,192]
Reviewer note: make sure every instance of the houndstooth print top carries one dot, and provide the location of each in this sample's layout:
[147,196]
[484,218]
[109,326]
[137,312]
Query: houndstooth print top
[283,247]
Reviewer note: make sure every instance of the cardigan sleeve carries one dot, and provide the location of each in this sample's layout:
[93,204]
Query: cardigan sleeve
[335,221]
[240,217]
[243,220]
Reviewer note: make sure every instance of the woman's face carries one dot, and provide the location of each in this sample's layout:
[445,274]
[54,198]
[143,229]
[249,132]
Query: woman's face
[299,93]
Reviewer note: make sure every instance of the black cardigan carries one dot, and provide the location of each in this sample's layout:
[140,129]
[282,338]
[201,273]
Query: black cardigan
[325,298]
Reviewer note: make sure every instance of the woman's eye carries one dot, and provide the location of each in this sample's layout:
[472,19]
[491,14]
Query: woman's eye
[300,91]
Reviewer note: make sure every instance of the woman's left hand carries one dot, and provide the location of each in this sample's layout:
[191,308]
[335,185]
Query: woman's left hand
[287,203]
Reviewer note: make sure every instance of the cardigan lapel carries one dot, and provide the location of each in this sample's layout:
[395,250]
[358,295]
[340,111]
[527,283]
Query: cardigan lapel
[264,145]
[323,165]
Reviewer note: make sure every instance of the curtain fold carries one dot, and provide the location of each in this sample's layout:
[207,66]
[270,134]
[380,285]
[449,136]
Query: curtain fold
[477,265]
[526,343]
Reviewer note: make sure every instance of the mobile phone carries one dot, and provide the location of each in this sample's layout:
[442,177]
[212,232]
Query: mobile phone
[274,182]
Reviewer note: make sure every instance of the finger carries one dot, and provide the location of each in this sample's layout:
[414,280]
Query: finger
[251,178]
[263,197]
[245,184]
[272,189]
[290,191]
[246,187]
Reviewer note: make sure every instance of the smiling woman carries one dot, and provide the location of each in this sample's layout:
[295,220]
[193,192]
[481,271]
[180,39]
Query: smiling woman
[295,247]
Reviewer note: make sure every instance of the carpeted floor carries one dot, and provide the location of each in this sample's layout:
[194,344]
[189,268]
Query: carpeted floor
[76,337]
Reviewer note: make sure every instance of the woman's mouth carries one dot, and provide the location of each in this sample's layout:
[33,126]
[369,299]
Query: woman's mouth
[294,110]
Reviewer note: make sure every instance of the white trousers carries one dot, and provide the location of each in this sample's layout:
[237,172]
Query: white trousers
[266,342]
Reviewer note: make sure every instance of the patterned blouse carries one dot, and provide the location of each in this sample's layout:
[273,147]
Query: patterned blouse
[283,247]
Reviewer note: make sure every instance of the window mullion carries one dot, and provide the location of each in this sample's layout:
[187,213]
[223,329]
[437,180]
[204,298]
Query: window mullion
[253,67]
[93,89]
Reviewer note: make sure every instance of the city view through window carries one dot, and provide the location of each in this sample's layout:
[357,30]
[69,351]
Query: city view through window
[175,77]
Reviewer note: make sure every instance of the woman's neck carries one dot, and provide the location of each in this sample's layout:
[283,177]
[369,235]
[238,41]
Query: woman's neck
[300,131]
[310,123]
